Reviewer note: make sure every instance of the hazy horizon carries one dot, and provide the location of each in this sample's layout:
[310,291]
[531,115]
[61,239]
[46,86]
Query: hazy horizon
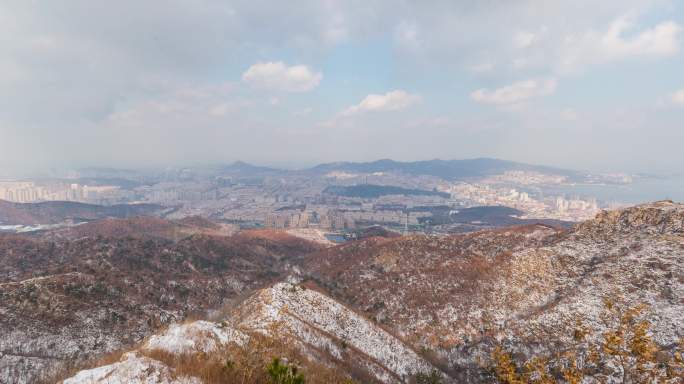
[56,171]
[183,83]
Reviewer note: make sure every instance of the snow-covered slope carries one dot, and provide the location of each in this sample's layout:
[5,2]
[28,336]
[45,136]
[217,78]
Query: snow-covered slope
[132,369]
[197,336]
[320,323]
[453,298]
[634,256]
[68,298]
[524,286]
[178,339]
[325,330]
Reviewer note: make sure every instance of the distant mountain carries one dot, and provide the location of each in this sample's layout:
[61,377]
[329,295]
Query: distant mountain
[446,169]
[375,191]
[55,212]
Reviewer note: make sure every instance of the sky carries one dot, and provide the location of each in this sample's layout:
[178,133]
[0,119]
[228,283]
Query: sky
[577,84]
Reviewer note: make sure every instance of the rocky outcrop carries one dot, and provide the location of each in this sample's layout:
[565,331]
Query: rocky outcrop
[662,217]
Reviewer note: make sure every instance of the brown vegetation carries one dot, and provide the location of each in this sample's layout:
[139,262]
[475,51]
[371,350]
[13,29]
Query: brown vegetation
[124,287]
[249,364]
[623,352]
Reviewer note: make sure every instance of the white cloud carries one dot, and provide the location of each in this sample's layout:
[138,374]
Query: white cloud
[661,40]
[516,92]
[70,71]
[578,51]
[390,101]
[279,77]
[678,97]
[558,38]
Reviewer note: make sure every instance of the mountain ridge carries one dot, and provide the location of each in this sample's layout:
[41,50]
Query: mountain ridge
[327,331]
[453,169]
[447,169]
[450,300]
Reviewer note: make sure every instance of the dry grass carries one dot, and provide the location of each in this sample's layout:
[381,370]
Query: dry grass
[247,364]
[70,369]
[231,364]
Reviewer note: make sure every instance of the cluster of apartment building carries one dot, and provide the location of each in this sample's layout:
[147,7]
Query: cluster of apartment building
[29,192]
[331,220]
[564,205]
[551,207]
[287,219]
[525,178]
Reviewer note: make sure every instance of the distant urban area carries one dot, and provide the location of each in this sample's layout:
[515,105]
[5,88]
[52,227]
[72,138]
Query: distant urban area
[339,199]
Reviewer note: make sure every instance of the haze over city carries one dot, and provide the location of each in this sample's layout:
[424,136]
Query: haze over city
[156,84]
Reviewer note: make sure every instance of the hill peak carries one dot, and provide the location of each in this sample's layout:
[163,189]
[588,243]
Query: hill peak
[660,217]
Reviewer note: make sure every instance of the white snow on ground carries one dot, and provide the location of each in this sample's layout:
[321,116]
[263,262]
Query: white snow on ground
[635,253]
[132,369]
[325,323]
[198,336]
[311,317]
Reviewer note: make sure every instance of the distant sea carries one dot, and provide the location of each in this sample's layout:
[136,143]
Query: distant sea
[642,190]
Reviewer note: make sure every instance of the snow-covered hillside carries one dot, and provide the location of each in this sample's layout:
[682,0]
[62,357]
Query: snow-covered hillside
[324,329]
[321,323]
[523,286]
[385,309]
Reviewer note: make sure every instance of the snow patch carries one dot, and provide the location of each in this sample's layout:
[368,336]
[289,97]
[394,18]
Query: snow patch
[132,369]
[198,336]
